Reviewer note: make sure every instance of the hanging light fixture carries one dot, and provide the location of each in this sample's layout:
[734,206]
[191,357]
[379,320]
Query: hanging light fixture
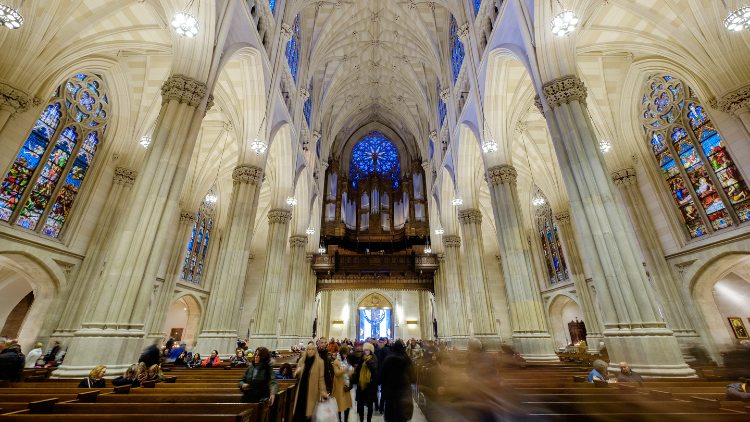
[538,200]
[457,202]
[489,146]
[310,231]
[185,24]
[738,19]
[258,146]
[564,23]
[211,198]
[604,146]
[145,141]
[291,201]
[10,17]
[439,232]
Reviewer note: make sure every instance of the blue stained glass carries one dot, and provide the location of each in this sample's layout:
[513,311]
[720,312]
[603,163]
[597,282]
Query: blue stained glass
[457,49]
[272,5]
[696,115]
[375,153]
[197,247]
[307,109]
[292,49]
[477,5]
[442,109]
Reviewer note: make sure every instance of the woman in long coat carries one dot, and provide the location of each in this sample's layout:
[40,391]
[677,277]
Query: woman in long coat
[311,386]
[341,393]
[366,374]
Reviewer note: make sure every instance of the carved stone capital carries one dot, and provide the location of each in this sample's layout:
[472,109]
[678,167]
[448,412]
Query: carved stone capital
[445,94]
[228,126]
[452,241]
[521,127]
[124,176]
[538,103]
[433,135]
[297,241]
[304,94]
[286,32]
[246,173]
[279,216]
[209,104]
[562,217]
[315,136]
[502,174]
[624,177]
[564,90]
[13,100]
[463,32]
[470,216]
[184,90]
[187,217]
[735,101]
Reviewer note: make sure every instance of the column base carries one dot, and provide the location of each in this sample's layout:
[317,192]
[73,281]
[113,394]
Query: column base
[535,347]
[459,342]
[490,342]
[225,342]
[651,352]
[117,349]
[269,341]
[595,342]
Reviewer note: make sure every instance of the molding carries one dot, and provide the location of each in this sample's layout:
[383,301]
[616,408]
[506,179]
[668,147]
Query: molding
[538,104]
[463,32]
[286,32]
[124,176]
[14,100]
[187,217]
[564,90]
[445,94]
[562,217]
[246,173]
[279,216]
[297,241]
[734,101]
[452,241]
[502,174]
[183,89]
[470,216]
[624,177]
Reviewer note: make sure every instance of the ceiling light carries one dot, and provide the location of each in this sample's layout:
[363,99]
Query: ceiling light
[257,146]
[145,141]
[211,198]
[457,201]
[310,230]
[489,146]
[738,20]
[604,146]
[291,201]
[538,200]
[439,231]
[564,23]
[9,17]
[185,24]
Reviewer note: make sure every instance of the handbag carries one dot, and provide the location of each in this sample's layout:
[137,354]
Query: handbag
[326,411]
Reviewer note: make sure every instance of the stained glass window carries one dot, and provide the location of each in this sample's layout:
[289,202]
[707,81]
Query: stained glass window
[197,247]
[56,155]
[307,108]
[375,154]
[272,5]
[457,49]
[706,185]
[477,5]
[554,259]
[292,49]
[442,108]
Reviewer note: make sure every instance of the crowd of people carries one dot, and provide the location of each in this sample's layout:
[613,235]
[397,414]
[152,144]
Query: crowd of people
[13,361]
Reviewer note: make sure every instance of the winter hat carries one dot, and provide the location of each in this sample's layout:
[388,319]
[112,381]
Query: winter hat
[368,346]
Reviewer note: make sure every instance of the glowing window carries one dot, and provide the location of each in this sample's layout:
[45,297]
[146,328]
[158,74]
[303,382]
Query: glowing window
[375,154]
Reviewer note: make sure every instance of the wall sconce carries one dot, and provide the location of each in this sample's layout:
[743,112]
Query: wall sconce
[411,323]
[338,322]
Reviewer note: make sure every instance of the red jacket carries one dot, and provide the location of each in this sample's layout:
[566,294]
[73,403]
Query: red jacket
[215,362]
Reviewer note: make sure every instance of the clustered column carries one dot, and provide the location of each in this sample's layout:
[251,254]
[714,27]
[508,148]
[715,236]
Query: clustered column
[454,287]
[530,332]
[737,103]
[575,266]
[12,101]
[220,324]
[297,294]
[633,331]
[273,279]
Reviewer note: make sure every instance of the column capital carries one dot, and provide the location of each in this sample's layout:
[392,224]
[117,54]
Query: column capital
[279,216]
[562,217]
[470,216]
[734,101]
[463,32]
[297,241]
[246,173]
[183,89]
[304,93]
[445,94]
[286,32]
[13,99]
[124,176]
[564,90]
[538,104]
[452,241]
[624,177]
[502,174]
[186,216]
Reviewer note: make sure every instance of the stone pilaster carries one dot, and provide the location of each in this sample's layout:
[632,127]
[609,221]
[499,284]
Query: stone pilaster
[274,279]
[297,294]
[441,299]
[12,102]
[456,311]
[736,103]
[530,332]
[664,283]
[575,267]
[116,315]
[475,278]
[222,313]
[633,331]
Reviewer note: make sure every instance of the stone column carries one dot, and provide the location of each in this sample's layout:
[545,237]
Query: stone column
[671,301]
[441,300]
[633,331]
[12,102]
[297,294]
[308,310]
[70,319]
[737,104]
[273,285]
[222,313]
[113,326]
[531,336]
[475,279]
[425,320]
[575,267]
[324,318]
[455,308]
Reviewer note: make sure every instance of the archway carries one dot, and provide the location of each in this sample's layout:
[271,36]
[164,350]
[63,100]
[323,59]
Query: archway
[375,317]
[183,319]
[562,310]
[722,293]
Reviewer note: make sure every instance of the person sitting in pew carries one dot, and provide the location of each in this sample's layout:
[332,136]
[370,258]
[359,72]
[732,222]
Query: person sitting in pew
[258,384]
[238,360]
[154,374]
[95,378]
[599,372]
[195,362]
[184,358]
[285,372]
[128,378]
[212,361]
[627,375]
[738,391]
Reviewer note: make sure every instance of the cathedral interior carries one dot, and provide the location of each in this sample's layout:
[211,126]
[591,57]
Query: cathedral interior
[529,173]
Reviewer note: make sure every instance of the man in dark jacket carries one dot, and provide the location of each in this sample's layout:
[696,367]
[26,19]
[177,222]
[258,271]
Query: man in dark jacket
[381,352]
[327,364]
[11,360]
[397,374]
[151,355]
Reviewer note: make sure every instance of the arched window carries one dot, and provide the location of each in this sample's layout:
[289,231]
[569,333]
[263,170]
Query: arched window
[272,5]
[375,153]
[292,49]
[441,106]
[477,5]
[307,108]
[457,49]
[693,158]
[557,269]
[56,156]
[197,248]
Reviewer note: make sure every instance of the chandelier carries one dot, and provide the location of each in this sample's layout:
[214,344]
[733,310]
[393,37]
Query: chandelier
[604,146]
[257,146]
[185,24]
[538,200]
[291,201]
[439,231]
[457,201]
[564,23]
[145,141]
[489,146]
[211,198]
[9,17]
[738,20]
[310,231]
